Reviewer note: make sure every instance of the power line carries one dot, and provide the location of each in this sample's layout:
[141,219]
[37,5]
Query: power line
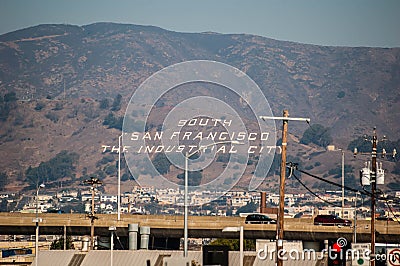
[391,211]
[364,192]
[389,207]
[330,182]
[313,193]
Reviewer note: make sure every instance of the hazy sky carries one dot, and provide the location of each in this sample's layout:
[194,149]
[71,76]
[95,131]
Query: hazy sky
[374,23]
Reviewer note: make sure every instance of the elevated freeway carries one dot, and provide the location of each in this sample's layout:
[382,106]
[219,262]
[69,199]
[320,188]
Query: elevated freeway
[171,226]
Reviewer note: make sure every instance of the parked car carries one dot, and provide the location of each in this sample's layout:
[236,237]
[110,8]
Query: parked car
[259,219]
[331,220]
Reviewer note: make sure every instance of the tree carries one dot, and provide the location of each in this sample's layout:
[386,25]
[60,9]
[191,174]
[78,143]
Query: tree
[363,144]
[265,167]
[116,106]
[337,172]
[318,135]
[39,106]
[161,163]
[223,158]
[59,243]
[4,111]
[3,180]
[249,207]
[396,169]
[59,106]
[234,244]
[3,205]
[113,122]
[104,104]
[62,165]
[110,169]
[10,97]
[7,103]
[194,177]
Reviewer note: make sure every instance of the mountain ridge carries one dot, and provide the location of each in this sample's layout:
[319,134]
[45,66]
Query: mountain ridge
[347,89]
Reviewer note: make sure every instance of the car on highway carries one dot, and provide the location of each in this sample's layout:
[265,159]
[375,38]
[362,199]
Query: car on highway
[330,219]
[258,218]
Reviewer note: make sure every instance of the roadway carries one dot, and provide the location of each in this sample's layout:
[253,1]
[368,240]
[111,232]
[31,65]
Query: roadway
[199,227]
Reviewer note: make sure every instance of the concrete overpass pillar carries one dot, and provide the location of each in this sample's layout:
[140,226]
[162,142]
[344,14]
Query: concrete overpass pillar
[313,245]
[132,236]
[326,244]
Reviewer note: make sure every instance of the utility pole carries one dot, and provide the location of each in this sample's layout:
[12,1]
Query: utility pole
[342,183]
[373,177]
[94,182]
[355,219]
[373,189]
[281,210]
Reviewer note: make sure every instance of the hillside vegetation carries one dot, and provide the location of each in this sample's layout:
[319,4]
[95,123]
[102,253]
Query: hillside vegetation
[64,90]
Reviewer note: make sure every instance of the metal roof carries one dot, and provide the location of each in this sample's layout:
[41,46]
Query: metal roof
[155,257]
[134,257]
[55,257]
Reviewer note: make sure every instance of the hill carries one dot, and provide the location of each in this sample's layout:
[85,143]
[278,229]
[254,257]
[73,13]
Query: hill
[63,76]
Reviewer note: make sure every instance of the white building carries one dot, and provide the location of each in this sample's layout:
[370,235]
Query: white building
[348,212]
[108,198]
[88,197]
[240,200]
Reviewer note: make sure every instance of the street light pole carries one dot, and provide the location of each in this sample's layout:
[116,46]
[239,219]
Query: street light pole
[241,245]
[186,185]
[36,220]
[119,178]
[342,183]
[241,240]
[112,229]
[342,212]
[185,225]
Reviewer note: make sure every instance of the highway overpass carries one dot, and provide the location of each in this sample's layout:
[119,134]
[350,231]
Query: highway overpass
[171,226]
